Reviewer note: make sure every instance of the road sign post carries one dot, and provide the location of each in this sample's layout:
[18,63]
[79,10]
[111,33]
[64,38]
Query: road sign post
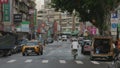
[114,23]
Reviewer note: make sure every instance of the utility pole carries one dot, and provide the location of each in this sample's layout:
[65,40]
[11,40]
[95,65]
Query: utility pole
[118,27]
[1,15]
[73,21]
[60,22]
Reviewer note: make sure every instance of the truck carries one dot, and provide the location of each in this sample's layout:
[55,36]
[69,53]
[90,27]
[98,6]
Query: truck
[7,43]
[102,47]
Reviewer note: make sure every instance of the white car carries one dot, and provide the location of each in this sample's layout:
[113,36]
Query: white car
[64,38]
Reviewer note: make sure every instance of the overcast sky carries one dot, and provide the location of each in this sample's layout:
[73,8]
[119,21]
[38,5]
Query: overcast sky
[39,3]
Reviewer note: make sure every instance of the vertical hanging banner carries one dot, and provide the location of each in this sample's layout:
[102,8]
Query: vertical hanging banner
[6,10]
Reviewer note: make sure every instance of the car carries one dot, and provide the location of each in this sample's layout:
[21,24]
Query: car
[73,39]
[86,46]
[64,37]
[50,40]
[32,47]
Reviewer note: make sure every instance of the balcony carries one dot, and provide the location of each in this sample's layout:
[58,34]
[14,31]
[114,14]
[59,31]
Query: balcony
[23,8]
[31,4]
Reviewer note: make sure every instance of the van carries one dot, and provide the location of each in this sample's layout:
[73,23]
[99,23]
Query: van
[102,47]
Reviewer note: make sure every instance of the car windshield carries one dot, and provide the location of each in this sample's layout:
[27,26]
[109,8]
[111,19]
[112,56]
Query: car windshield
[87,43]
[31,43]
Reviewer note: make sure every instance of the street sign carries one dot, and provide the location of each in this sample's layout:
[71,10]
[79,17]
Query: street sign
[114,15]
[17,18]
[3,1]
[114,22]
[31,11]
[25,26]
[6,12]
[114,25]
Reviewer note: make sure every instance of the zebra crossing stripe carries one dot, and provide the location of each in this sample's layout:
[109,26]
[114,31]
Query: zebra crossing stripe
[28,61]
[44,61]
[95,62]
[11,61]
[79,62]
[62,61]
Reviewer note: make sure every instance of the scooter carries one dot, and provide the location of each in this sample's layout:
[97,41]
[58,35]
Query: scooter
[75,53]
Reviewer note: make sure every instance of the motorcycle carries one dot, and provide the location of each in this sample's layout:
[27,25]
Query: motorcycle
[75,53]
[115,63]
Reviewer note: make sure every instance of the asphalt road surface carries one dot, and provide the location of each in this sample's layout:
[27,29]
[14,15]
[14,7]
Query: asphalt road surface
[56,55]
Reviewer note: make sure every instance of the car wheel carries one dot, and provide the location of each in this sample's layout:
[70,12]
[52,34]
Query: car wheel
[38,53]
[91,58]
[23,54]
[41,52]
[110,58]
[9,53]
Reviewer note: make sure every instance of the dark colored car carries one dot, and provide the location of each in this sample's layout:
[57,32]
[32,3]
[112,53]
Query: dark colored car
[50,40]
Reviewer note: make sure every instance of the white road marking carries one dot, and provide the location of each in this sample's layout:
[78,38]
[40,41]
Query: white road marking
[79,62]
[95,62]
[44,61]
[62,61]
[108,62]
[28,61]
[11,61]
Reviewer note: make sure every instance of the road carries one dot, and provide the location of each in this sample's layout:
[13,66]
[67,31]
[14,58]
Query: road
[56,55]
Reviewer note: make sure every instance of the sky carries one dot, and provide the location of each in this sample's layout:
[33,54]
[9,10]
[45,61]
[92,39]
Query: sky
[39,4]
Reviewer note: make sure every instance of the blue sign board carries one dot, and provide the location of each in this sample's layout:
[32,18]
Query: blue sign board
[114,25]
[114,15]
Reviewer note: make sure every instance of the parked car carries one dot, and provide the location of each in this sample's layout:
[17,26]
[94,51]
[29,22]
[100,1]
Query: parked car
[64,37]
[32,47]
[86,46]
[73,38]
[50,40]
[20,44]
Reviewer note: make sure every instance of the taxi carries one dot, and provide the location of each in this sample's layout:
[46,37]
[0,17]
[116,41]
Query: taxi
[32,47]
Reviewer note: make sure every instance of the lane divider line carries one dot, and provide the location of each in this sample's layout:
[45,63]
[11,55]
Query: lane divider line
[62,61]
[95,62]
[44,61]
[79,62]
[28,61]
[11,61]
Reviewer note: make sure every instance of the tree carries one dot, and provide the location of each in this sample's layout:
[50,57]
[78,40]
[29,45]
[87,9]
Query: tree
[96,11]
